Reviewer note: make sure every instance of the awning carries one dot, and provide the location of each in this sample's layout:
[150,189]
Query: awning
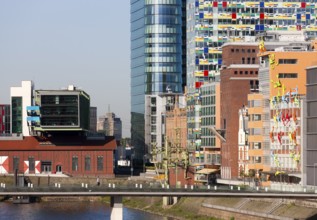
[206,171]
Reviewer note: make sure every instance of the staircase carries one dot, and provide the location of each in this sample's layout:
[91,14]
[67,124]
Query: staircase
[27,180]
[242,203]
[274,206]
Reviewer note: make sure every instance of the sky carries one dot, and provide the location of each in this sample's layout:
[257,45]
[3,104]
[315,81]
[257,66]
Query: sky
[56,43]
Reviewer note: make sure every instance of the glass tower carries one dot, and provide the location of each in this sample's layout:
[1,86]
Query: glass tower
[156,63]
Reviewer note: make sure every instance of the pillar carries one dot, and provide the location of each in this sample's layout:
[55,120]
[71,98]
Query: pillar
[116,208]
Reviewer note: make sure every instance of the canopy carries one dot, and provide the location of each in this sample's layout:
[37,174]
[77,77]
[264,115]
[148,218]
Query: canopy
[206,171]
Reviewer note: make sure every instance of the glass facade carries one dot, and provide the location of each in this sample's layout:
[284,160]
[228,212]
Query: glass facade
[156,58]
[16,114]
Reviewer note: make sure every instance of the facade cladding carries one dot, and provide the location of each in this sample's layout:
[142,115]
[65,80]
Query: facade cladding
[4,119]
[156,58]
[212,23]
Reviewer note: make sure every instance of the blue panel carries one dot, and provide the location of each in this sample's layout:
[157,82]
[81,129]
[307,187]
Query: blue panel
[261,27]
[37,119]
[257,28]
[307,16]
[197,3]
[35,108]
[206,50]
[298,16]
[261,4]
[197,61]
[201,15]
[219,62]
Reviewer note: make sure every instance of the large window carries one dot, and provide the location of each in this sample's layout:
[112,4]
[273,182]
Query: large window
[287,75]
[75,163]
[100,163]
[287,61]
[31,164]
[87,163]
[16,114]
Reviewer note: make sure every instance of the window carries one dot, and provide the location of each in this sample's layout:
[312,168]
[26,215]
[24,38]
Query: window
[251,72]
[256,117]
[257,145]
[31,164]
[287,75]
[87,163]
[235,72]
[287,61]
[100,163]
[75,163]
[15,163]
[232,50]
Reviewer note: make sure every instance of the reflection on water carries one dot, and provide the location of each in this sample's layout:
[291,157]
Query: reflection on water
[69,211]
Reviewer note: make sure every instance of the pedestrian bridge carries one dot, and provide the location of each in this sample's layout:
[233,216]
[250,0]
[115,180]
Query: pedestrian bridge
[117,192]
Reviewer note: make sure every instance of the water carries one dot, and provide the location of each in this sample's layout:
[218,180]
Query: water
[68,211]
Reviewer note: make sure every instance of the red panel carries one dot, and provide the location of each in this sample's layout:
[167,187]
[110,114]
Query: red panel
[224,4]
[261,16]
[38,167]
[205,72]
[298,27]
[234,15]
[5,164]
[215,4]
[198,84]
[303,5]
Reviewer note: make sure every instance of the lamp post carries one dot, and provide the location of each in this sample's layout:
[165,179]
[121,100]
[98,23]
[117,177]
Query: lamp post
[315,164]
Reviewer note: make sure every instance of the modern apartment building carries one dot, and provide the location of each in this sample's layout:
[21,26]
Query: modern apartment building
[4,119]
[212,23]
[156,66]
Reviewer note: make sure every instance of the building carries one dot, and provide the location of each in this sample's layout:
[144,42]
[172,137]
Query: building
[93,119]
[110,125]
[156,65]
[238,78]
[68,154]
[21,97]
[310,113]
[210,24]
[282,77]
[59,110]
[5,119]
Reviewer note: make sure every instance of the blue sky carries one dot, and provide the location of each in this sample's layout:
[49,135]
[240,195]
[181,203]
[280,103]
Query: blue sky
[56,43]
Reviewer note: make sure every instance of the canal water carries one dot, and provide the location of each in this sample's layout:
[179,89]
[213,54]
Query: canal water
[68,211]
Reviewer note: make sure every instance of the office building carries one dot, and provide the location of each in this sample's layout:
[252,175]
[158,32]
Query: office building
[156,66]
[110,125]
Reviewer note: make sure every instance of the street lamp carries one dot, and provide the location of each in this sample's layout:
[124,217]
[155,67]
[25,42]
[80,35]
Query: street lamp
[315,164]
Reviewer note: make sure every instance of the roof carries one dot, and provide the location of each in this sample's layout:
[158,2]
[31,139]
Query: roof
[206,171]
[57,144]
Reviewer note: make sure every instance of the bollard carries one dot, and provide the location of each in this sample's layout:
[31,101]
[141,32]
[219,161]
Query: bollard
[215,187]
[257,188]
[304,189]
[31,185]
[168,186]
[86,185]
[185,186]
[140,186]
[238,188]
[231,187]
[82,185]
[55,184]
[1,185]
[163,186]
[192,187]
[109,185]
[293,190]
[113,185]
[266,189]
[4,185]
[59,185]
[208,186]
[136,185]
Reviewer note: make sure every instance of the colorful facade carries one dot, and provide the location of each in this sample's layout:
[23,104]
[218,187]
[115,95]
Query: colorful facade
[4,119]
[285,87]
[212,23]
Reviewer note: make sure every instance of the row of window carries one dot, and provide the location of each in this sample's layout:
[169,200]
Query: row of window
[242,50]
[87,163]
[246,72]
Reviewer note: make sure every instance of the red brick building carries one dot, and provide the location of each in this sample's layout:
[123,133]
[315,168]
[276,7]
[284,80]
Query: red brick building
[72,155]
[238,78]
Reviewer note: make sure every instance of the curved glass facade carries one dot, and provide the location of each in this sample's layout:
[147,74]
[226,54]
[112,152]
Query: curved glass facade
[163,46]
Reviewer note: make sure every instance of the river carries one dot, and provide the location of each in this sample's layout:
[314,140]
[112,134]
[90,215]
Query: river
[68,211]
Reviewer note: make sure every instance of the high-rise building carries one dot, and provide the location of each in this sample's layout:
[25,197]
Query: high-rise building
[156,66]
[212,23]
[110,125]
[4,119]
